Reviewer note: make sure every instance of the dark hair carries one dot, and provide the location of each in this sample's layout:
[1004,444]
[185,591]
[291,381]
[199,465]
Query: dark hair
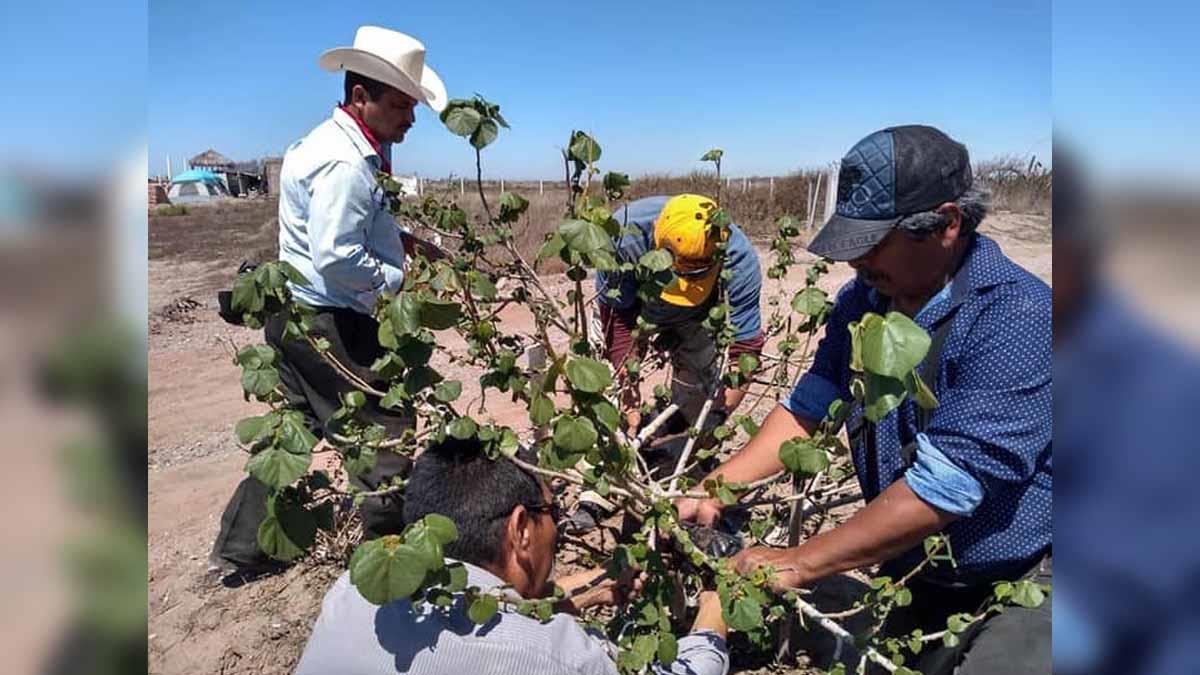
[454,478]
[974,204]
[374,88]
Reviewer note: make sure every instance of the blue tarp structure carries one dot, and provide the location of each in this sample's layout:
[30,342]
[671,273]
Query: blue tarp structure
[192,175]
[197,185]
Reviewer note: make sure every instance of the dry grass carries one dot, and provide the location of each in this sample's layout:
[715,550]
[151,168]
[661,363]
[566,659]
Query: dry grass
[1018,185]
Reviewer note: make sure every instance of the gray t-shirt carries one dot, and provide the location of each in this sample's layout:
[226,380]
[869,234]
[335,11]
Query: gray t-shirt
[354,637]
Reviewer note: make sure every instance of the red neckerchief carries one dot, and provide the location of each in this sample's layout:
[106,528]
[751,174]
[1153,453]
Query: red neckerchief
[386,166]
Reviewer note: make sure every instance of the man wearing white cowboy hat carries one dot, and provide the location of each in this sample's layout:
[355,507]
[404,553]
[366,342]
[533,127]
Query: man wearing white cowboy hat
[336,229]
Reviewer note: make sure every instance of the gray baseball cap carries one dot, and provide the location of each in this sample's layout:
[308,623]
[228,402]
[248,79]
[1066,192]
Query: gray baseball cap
[886,176]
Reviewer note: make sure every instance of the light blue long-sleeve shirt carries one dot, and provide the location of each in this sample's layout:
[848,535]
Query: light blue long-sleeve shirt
[354,637]
[334,223]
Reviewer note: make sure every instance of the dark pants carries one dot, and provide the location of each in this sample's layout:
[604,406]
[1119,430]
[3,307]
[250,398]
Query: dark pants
[1015,641]
[315,387]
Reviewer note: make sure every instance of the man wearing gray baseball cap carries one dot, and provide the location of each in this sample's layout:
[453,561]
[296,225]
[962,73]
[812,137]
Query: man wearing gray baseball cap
[978,469]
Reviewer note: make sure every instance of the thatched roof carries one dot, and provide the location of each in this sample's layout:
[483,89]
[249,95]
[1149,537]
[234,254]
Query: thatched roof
[211,158]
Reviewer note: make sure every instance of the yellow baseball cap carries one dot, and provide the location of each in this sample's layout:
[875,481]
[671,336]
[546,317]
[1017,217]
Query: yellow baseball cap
[682,229]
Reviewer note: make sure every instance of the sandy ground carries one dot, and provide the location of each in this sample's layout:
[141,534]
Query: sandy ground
[201,624]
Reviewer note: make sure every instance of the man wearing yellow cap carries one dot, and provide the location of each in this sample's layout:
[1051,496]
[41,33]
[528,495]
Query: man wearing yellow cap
[680,225]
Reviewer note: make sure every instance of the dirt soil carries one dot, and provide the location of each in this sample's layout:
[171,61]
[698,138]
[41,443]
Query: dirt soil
[199,623]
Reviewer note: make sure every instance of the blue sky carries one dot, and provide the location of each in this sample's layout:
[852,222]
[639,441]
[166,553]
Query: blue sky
[777,85]
[74,83]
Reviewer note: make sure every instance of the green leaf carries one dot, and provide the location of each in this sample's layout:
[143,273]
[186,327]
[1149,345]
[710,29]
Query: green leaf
[607,414]
[512,205]
[293,275]
[359,460]
[355,399]
[588,375]
[384,570]
[920,391]
[584,237]
[656,260]
[441,527]
[903,597]
[260,382]
[553,246]
[713,155]
[276,467]
[461,120]
[668,648]
[482,286]
[802,456]
[483,609]
[294,435]
[576,435]
[246,295]
[274,541]
[448,391]
[288,530]
[458,577]
[747,364]
[725,495]
[584,148]
[745,614]
[881,395]
[1027,594]
[541,410]
[893,345]
[462,428]
[810,301]
[439,314]
[252,429]
[395,395]
[404,313]
[485,134]
[957,623]
[616,183]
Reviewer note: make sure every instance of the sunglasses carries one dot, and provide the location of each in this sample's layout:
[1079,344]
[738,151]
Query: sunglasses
[552,508]
[693,273]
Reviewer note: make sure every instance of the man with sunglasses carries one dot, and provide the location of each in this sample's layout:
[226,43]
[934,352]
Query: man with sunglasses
[507,538]
[978,469]
[681,226]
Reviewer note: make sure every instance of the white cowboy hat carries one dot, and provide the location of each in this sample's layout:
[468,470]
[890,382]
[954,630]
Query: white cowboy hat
[390,57]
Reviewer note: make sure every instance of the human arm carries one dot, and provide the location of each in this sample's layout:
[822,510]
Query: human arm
[752,345]
[702,651]
[888,526]
[759,458]
[340,211]
[595,588]
[414,246]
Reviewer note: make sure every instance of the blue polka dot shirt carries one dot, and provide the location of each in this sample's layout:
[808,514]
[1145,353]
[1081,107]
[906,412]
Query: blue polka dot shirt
[993,422]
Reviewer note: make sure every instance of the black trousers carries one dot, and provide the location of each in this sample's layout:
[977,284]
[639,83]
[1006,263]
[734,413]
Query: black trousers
[1015,641]
[315,387]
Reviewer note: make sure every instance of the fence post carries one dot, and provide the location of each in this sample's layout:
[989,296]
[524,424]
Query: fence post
[831,189]
[541,189]
[502,185]
[771,188]
[462,186]
[745,184]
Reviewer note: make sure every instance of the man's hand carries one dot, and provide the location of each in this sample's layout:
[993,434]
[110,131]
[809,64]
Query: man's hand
[414,246]
[594,588]
[701,511]
[789,572]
